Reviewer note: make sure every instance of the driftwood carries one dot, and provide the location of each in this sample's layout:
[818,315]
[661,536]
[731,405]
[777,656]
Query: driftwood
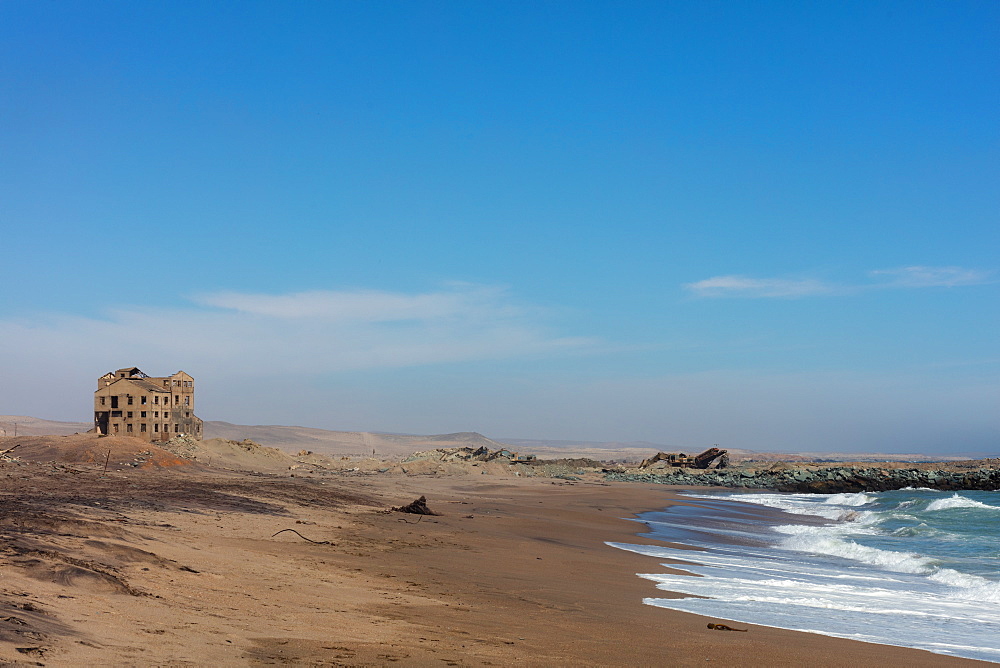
[418,507]
[318,542]
[723,627]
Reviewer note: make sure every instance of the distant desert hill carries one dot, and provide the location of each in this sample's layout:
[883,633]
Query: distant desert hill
[31,426]
[361,443]
[329,442]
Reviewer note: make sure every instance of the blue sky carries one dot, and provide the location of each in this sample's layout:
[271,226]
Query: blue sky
[766,225]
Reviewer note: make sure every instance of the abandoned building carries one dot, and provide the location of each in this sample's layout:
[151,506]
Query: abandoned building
[130,403]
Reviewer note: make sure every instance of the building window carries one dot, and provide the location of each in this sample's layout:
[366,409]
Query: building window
[128,427]
[156,426]
[177,428]
[142,427]
[166,414]
[103,401]
[130,414]
[142,413]
[116,413]
[114,402]
[177,398]
[156,399]
[142,400]
[115,425]
[187,401]
[130,400]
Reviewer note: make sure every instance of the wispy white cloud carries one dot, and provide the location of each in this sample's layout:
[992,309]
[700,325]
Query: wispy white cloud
[791,288]
[925,277]
[302,333]
[744,286]
[368,305]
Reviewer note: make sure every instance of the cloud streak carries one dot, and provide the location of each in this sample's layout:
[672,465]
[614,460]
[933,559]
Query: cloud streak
[309,333]
[929,277]
[746,287]
[369,306]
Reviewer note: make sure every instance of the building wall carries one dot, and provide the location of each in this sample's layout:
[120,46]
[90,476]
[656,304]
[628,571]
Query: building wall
[153,409]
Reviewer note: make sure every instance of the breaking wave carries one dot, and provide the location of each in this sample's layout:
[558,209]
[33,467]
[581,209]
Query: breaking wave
[857,559]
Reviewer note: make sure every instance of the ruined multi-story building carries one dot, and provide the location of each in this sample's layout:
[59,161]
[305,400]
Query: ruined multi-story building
[130,403]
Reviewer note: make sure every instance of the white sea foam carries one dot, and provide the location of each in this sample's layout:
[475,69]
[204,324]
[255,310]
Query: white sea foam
[856,499]
[797,504]
[968,587]
[958,501]
[816,543]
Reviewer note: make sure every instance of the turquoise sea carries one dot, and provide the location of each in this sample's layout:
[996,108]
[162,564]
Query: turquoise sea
[914,567]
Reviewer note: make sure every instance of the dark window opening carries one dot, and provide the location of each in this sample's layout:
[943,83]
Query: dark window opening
[177,428]
[130,414]
[115,426]
[142,427]
[130,400]
[156,427]
[103,401]
[142,413]
[116,413]
[128,428]
[114,402]
[142,400]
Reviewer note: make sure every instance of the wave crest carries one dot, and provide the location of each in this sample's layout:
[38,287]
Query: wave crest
[958,501]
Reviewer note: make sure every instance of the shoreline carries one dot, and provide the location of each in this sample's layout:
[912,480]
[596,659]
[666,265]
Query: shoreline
[174,567]
[891,585]
[588,596]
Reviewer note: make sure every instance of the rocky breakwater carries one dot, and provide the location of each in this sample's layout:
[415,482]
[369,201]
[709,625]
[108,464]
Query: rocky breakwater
[824,479]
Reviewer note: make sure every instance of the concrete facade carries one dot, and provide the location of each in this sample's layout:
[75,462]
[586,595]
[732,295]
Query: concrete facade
[130,403]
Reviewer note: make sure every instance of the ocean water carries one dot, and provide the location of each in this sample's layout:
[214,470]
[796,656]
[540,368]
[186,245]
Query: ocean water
[915,567]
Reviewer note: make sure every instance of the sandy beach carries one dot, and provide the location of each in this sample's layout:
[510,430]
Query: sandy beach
[181,566]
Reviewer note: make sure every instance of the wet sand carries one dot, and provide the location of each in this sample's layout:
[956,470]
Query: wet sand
[178,567]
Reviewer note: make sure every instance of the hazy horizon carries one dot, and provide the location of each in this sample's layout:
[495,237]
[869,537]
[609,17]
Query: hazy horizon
[772,227]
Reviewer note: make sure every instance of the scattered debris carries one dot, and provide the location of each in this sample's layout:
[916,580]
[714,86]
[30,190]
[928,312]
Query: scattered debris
[480,454]
[723,627]
[702,461]
[418,507]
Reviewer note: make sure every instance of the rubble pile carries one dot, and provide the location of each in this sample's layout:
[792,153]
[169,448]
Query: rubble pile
[184,446]
[480,454]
